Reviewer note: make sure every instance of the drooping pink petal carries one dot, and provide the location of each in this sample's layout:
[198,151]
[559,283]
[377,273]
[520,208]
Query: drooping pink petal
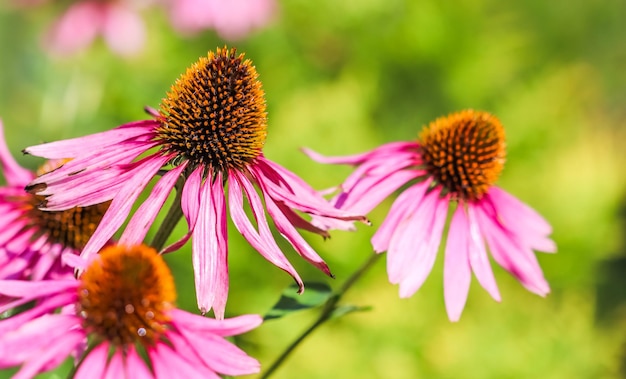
[210,249]
[225,328]
[456,270]
[518,260]
[404,205]
[94,364]
[423,260]
[123,29]
[121,206]
[529,227]
[287,230]
[262,241]
[409,236]
[190,205]
[478,258]
[140,223]
[14,174]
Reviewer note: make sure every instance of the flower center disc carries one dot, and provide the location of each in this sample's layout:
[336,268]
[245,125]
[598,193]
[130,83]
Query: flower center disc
[125,295]
[464,152]
[70,228]
[214,114]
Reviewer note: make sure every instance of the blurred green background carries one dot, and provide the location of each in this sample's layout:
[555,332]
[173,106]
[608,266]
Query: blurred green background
[345,76]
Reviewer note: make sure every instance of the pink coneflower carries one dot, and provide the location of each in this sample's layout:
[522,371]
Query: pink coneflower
[232,19]
[457,160]
[211,129]
[32,241]
[117,21]
[119,310]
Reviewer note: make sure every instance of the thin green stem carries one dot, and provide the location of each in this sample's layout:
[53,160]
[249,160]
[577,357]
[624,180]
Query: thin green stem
[174,214]
[325,315]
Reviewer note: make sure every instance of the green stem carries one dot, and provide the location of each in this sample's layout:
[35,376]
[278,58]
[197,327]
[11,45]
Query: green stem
[325,315]
[174,214]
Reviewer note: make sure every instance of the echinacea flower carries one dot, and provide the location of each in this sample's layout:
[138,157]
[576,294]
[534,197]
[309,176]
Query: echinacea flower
[119,321]
[31,240]
[117,21]
[456,160]
[232,19]
[211,129]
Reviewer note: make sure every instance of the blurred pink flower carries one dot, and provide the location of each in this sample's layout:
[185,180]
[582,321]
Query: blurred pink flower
[232,19]
[211,130]
[130,315]
[457,160]
[117,21]
[32,241]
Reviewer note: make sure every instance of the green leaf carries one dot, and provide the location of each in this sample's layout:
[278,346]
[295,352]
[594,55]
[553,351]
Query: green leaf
[315,294]
[343,310]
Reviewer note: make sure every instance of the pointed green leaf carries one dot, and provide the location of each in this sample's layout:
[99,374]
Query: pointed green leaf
[315,294]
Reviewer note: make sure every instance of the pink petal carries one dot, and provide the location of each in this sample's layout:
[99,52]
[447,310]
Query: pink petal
[167,364]
[224,328]
[422,261]
[135,366]
[47,305]
[456,269]
[32,290]
[121,205]
[525,222]
[220,355]
[402,208]
[210,249]
[87,145]
[190,204]
[143,218]
[76,29]
[518,260]
[115,368]
[262,241]
[360,158]
[479,261]
[123,29]
[14,174]
[94,364]
[61,350]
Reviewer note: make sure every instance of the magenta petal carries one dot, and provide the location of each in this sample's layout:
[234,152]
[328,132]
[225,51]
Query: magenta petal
[143,218]
[456,269]
[94,364]
[210,249]
[290,233]
[86,145]
[190,204]
[32,290]
[479,261]
[360,158]
[121,206]
[14,174]
[44,306]
[262,241]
